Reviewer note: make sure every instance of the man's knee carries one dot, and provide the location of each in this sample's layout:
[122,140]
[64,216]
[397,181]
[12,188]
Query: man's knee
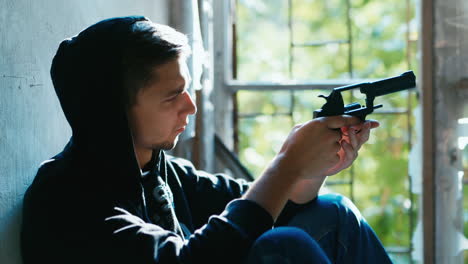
[343,205]
[326,214]
[357,240]
[335,222]
[289,244]
[283,235]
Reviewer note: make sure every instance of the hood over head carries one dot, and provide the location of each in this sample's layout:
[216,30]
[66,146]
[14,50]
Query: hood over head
[88,76]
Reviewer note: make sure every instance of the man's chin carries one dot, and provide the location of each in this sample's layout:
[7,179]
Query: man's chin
[165,146]
[168,145]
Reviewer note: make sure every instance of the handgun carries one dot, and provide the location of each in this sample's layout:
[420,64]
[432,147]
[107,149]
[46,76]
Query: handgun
[335,104]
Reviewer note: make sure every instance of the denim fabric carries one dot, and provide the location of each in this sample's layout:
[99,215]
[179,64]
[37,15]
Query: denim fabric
[340,230]
[333,222]
[286,245]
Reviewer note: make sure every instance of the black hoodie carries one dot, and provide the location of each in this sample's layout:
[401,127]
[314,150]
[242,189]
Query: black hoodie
[66,206]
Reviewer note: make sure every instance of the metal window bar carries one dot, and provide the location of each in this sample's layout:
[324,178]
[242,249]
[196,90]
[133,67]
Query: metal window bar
[347,41]
[240,86]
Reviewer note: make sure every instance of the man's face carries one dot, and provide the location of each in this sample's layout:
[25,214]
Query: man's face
[162,107]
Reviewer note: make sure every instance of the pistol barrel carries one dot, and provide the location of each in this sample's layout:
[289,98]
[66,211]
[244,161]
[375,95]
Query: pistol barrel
[405,81]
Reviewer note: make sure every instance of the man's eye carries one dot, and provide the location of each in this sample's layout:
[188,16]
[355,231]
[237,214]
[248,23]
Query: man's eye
[172,98]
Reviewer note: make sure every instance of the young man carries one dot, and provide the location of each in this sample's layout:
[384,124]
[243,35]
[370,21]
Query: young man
[113,196]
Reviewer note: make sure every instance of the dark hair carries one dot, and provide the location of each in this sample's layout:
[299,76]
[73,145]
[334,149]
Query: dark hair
[149,46]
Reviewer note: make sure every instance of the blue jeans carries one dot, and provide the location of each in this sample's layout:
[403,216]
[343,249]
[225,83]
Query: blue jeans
[329,229]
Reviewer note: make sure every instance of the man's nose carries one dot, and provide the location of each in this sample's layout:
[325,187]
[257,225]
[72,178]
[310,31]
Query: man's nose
[190,105]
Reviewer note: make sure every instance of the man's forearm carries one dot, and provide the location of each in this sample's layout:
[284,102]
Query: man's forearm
[272,190]
[305,190]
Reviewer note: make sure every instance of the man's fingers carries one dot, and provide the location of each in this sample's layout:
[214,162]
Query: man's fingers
[373,123]
[363,136]
[334,122]
[349,151]
[353,138]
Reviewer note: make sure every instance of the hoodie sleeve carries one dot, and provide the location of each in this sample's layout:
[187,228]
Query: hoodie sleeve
[225,238]
[206,194]
[226,226]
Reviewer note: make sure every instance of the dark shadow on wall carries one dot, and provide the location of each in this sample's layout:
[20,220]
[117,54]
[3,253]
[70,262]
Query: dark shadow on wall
[10,236]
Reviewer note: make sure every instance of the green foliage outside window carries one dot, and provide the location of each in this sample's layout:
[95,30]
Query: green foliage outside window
[382,44]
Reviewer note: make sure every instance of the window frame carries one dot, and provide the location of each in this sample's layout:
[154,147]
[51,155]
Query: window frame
[227,87]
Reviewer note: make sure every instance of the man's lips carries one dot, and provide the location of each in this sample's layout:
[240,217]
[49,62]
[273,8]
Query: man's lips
[181,129]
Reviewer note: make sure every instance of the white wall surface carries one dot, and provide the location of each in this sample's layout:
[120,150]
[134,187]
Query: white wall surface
[32,125]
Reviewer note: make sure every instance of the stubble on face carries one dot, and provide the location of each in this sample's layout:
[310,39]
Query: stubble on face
[165,145]
[153,110]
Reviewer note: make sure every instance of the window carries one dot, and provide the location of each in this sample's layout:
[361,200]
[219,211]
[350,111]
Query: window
[463,174]
[287,52]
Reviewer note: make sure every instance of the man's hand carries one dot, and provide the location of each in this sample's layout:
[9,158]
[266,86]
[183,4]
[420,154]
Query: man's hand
[310,151]
[317,148]
[352,139]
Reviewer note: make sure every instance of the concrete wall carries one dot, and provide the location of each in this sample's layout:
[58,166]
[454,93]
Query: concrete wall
[32,126]
[450,73]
